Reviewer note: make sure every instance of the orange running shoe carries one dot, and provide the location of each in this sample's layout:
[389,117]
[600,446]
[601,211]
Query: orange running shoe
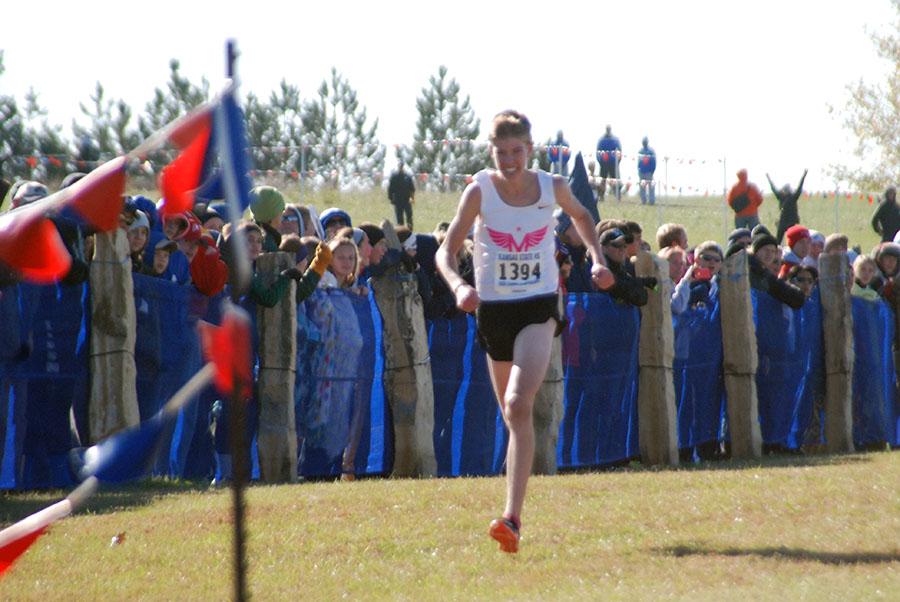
[506,533]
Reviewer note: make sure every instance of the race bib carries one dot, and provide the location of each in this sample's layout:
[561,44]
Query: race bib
[517,273]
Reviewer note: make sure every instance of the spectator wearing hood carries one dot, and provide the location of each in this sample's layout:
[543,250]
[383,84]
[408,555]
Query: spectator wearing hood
[173,228]
[159,263]
[744,198]
[267,207]
[887,259]
[333,219]
[787,205]
[138,236]
[886,219]
[816,246]
[291,220]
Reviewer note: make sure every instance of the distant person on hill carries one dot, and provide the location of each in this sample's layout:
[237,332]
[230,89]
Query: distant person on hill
[744,198]
[787,204]
[646,169]
[402,194]
[886,219]
[609,153]
[558,154]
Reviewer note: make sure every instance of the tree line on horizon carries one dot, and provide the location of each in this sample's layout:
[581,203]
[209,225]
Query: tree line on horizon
[329,132]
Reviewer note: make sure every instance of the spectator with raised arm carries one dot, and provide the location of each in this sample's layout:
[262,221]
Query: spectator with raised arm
[787,197]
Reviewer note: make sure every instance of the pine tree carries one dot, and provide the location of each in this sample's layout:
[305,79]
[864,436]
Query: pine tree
[264,134]
[342,148]
[444,145]
[873,116]
[109,131]
[47,142]
[15,141]
[286,103]
[178,98]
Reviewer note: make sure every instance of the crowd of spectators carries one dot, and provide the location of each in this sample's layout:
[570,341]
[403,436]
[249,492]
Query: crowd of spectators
[330,251]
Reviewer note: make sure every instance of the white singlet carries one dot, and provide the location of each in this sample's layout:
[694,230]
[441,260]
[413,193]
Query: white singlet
[514,246]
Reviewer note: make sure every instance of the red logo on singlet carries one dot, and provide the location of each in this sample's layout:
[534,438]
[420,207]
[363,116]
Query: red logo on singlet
[507,241]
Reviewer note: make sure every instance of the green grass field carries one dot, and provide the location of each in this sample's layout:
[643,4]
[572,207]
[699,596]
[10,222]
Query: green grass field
[706,218]
[792,528]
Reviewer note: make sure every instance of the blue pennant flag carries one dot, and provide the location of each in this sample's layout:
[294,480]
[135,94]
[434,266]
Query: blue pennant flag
[581,188]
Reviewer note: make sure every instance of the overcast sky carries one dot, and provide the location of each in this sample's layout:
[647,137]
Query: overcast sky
[750,82]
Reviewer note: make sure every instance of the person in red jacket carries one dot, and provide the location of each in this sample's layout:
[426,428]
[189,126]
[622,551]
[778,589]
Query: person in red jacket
[744,198]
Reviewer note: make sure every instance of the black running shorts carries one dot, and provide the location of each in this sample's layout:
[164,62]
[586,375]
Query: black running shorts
[500,322]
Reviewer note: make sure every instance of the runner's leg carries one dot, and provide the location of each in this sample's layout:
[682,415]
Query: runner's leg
[519,382]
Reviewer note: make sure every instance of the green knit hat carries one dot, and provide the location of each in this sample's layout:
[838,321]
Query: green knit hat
[266,203]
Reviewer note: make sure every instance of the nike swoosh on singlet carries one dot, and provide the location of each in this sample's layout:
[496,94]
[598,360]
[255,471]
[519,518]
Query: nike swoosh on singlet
[543,206]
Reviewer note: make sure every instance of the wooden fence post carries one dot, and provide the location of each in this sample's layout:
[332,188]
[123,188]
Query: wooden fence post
[113,402]
[548,413]
[837,326]
[407,367]
[277,326]
[740,358]
[657,418]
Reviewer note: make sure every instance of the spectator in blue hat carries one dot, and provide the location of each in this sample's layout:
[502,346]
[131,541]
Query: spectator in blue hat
[332,220]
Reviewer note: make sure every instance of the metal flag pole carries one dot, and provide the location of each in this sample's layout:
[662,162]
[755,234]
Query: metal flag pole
[237,420]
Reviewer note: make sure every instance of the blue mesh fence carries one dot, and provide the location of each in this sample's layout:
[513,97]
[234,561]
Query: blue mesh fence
[343,419]
[697,375]
[875,411]
[600,366]
[790,378]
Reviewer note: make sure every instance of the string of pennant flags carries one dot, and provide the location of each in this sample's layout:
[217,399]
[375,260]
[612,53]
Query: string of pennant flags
[67,162]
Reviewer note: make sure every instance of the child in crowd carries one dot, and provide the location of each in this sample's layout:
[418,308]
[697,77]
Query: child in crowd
[887,258]
[864,270]
[671,235]
[798,239]
[267,207]
[138,235]
[161,252]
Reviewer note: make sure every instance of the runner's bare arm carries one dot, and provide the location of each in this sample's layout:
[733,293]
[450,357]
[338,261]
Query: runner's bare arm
[446,258]
[600,275]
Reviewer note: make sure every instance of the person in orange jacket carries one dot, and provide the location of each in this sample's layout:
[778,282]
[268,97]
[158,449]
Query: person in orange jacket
[744,198]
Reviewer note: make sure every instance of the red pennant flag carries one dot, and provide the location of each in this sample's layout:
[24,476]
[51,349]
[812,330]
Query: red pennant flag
[31,245]
[180,178]
[228,348]
[97,197]
[194,125]
[11,551]
[17,538]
